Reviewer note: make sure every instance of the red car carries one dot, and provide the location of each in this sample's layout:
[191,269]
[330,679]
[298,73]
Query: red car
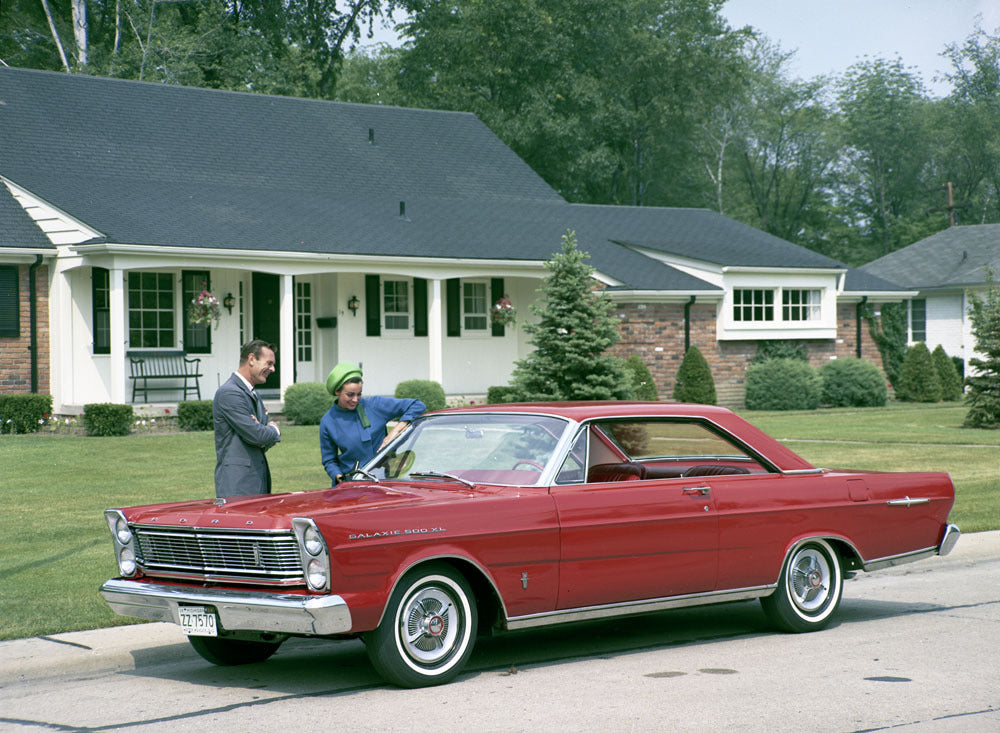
[514,516]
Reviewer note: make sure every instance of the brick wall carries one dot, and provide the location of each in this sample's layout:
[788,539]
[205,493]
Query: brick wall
[655,332]
[15,354]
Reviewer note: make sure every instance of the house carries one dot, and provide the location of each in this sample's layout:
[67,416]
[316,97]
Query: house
[943,270]
[373,234]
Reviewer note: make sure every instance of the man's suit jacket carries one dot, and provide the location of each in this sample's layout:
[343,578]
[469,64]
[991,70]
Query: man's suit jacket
[240,440]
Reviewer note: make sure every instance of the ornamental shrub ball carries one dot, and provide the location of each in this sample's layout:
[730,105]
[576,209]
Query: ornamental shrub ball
[694,379]
[853,382]
[782,384]
[24,413]
[195,415]
[641,378]
[777,349]
[918,379]
[571,333]
[983,382]
[429,392]
[307,402]
[104,419]
[951,383]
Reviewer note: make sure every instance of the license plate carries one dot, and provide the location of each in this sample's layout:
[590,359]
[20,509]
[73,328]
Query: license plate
[197,621]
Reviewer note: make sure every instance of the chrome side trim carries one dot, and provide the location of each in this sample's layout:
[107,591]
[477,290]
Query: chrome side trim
[948,540]
[803,471]
[611,610]
[907,502]
[238,610]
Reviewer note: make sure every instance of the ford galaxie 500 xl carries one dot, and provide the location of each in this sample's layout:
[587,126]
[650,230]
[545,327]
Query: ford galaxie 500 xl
[506,517]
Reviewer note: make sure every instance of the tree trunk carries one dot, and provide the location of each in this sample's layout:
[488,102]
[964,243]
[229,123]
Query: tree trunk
[80,32]
[55,34]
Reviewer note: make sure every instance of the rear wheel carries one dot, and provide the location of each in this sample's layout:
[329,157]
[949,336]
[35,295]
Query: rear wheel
[231,652]
[428,629]
[809,588]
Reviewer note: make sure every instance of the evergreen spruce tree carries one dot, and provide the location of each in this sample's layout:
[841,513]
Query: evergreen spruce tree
[694,379]
[983,394]
[641,379]
[918,380]
[951,383]
[573,332]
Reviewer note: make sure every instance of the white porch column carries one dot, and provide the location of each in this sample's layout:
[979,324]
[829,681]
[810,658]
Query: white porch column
[116,296]
[435,333]
[286,344]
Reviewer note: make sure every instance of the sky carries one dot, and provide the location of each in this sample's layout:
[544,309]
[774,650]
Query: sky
[828,36]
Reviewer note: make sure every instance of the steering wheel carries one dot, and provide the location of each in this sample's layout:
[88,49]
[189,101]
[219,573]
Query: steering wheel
[537,466]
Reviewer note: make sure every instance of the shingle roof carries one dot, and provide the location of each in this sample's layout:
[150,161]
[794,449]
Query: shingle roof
[16,227]
[174,166]
[955,257]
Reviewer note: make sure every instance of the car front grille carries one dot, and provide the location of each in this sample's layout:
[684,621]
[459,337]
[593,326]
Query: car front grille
[258,558]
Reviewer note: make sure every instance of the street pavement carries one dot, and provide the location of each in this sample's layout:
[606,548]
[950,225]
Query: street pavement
[138,646]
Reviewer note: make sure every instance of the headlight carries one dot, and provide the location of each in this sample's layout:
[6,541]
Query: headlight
[126,561]
[312,541]
[316,574]
[122,531]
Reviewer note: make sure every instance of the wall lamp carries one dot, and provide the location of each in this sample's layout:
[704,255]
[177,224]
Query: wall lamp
[353,304]
[229,301]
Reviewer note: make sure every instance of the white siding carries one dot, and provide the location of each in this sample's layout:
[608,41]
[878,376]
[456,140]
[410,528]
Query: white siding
[945,324]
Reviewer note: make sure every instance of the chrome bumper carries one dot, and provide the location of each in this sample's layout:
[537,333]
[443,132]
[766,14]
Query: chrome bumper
[237,610]
[951,535]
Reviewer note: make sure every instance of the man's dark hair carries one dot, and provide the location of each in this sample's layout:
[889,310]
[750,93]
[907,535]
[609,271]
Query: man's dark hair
[255,347]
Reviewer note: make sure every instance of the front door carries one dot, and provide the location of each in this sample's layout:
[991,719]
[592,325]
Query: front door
[266,296]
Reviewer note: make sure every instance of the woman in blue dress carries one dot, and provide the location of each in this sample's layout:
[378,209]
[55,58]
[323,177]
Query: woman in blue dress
[354,429]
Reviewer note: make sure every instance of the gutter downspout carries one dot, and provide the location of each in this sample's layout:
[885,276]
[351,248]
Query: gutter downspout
[687,324]
[857,310]
[33,322]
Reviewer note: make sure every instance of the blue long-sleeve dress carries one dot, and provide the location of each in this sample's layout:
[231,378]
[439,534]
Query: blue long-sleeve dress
[343,440]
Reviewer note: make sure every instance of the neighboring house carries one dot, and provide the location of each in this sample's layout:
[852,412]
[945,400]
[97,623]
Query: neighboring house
[943,269]
[373,234]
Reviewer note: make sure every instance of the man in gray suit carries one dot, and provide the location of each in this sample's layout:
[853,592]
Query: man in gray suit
[242,429]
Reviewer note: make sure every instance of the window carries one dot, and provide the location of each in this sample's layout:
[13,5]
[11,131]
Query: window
[100,284]
[475,308]
[150,310]
[918,319]
[197,336]
[303,322]
[396,304]
[753,305]
[10,303]
[799,305]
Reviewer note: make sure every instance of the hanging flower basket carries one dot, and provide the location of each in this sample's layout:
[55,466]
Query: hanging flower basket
[204,309]
[503,312]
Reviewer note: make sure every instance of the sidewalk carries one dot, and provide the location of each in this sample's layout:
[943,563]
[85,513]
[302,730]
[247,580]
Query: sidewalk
[124,648]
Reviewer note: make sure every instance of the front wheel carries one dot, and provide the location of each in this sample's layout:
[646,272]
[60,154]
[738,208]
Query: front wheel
[808,590]
[428,629]
[230,652]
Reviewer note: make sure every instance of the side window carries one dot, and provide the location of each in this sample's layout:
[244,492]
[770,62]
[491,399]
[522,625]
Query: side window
[475,309]
[151,321]
[396,304]
[573,468]
[918,319]
[101,301]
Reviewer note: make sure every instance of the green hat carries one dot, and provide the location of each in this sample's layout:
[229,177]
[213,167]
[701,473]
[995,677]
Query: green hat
[341,373]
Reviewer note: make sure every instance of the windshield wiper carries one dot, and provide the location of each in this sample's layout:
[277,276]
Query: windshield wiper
[435,474]
[357,469]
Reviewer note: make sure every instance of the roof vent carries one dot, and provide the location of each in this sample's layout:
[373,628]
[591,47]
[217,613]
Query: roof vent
[402,211]
[371,135]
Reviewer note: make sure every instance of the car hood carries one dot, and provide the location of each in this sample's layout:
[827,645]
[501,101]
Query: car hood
[275,511]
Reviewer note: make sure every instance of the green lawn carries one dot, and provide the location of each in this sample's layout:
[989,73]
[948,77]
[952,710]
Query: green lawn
[55,550]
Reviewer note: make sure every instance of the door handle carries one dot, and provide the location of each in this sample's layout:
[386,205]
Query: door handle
[699,490]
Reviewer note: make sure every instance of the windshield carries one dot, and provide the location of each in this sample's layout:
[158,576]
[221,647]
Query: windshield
[481,448]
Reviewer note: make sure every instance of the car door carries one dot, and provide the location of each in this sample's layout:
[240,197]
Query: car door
[632,538]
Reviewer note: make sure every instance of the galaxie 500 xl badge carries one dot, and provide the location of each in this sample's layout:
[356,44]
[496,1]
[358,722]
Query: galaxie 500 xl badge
[393,533]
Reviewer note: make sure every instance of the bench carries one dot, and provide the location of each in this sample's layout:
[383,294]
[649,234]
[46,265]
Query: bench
[160,366]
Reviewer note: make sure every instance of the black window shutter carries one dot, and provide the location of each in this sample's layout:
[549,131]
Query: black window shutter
[496,292]
[454,306]
[419,306]
[373,306]
[10,305]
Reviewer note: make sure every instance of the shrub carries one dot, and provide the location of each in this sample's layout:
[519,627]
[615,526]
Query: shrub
[948,376]
[24,413]
[888,330]
[853,383]
[641,379]
[501,394]
[780,350]
[694,379]
[105,418]
[918,379]
[307,402]
[428,392]
[782,384]
[195,415]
